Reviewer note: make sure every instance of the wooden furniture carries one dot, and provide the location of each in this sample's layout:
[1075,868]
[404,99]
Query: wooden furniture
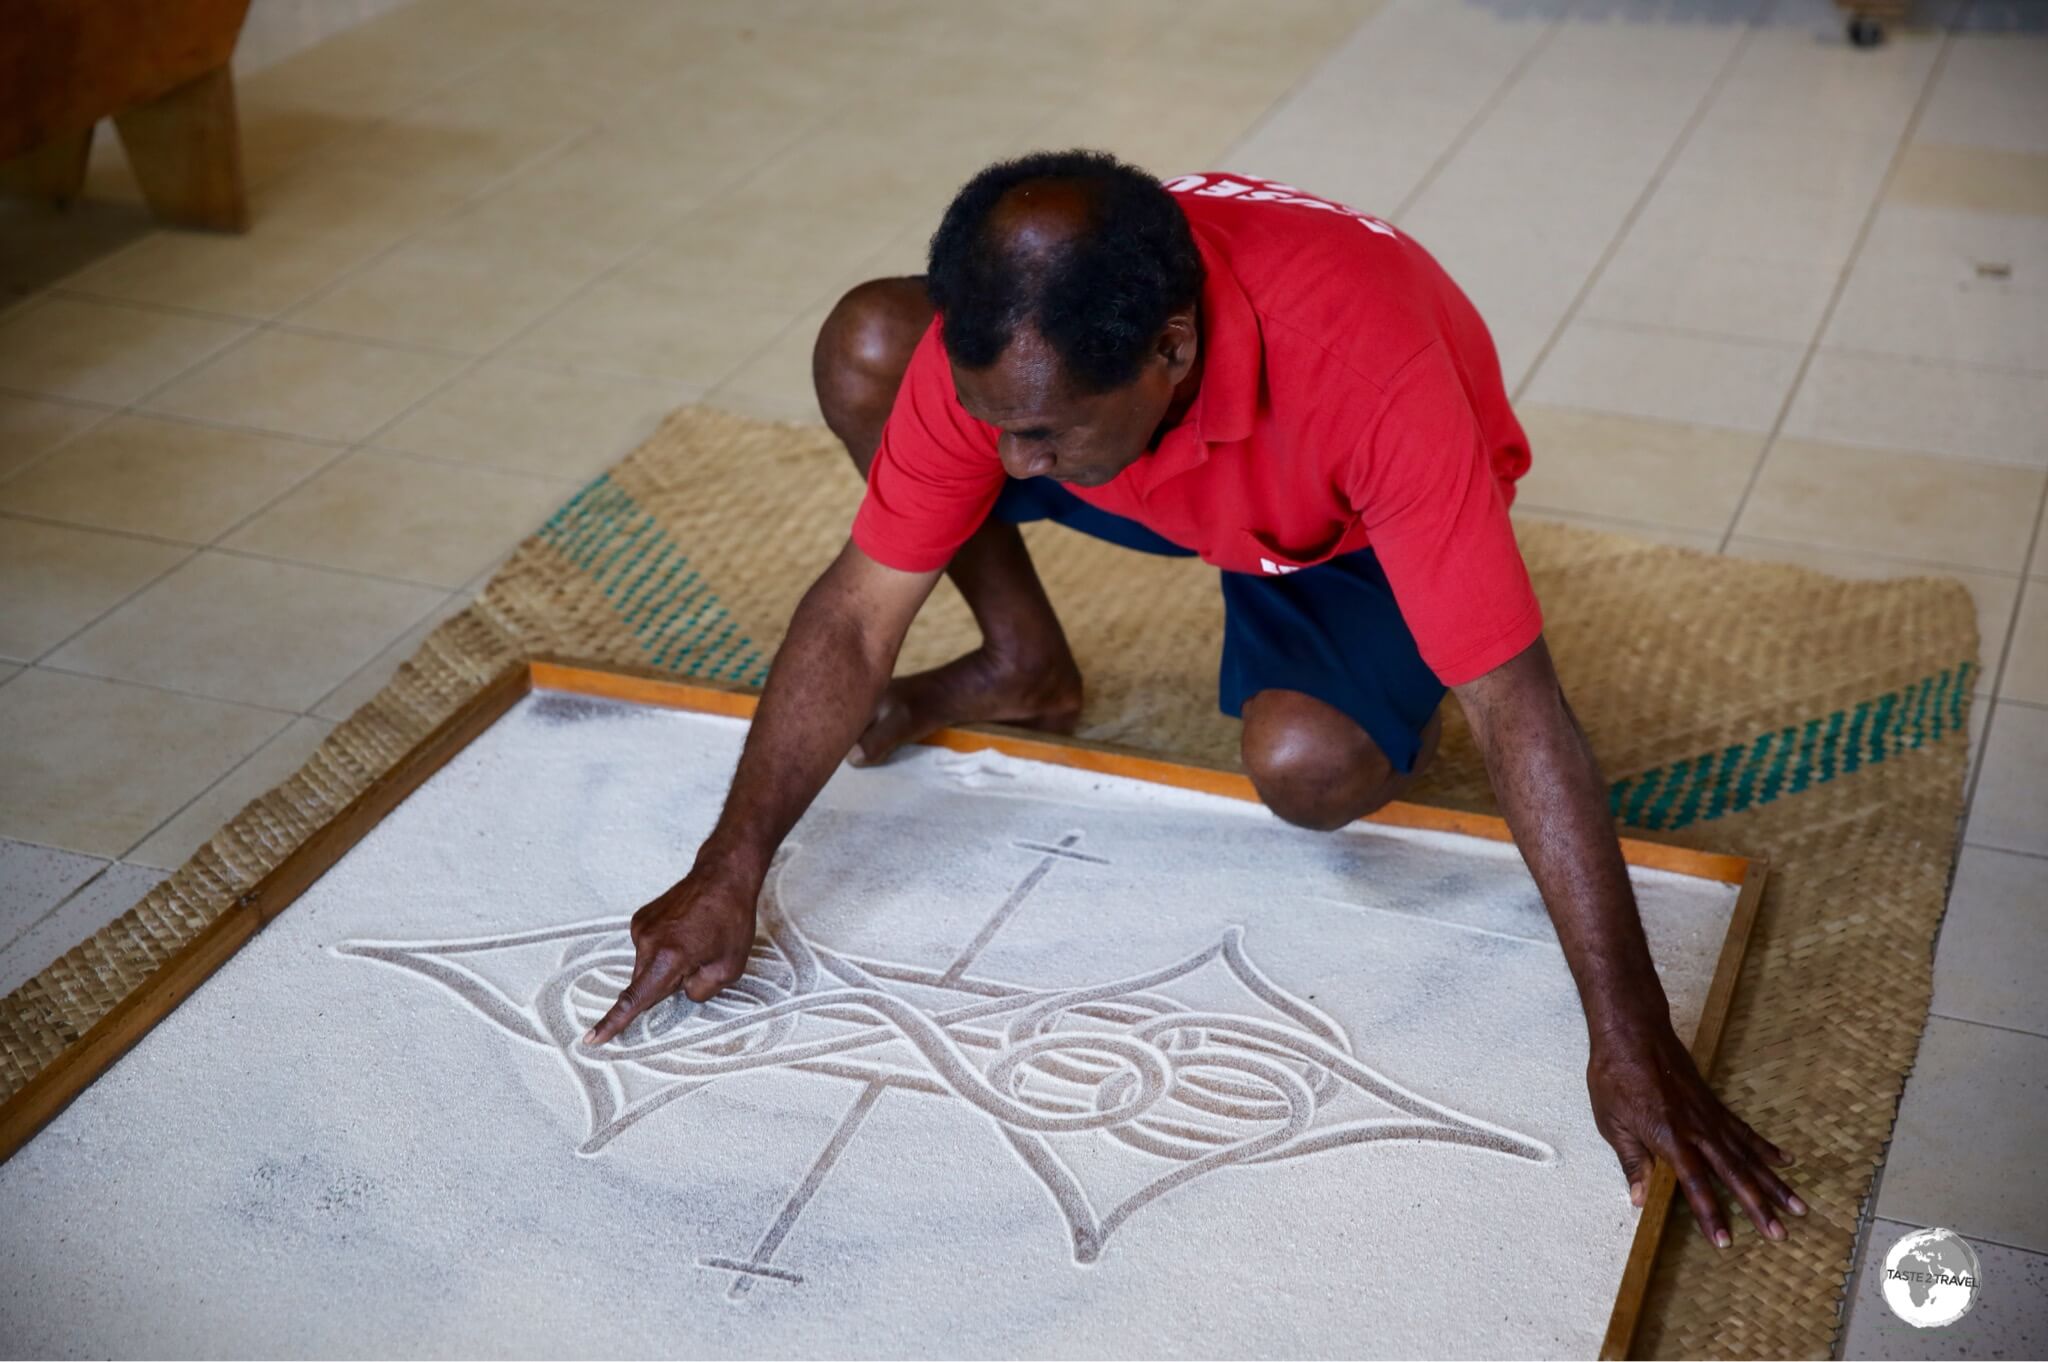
[158,68]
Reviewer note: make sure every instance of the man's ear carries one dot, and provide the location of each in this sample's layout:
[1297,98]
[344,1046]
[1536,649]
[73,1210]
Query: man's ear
[1179,342]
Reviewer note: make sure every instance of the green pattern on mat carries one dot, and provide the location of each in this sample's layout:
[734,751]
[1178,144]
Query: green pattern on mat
[669,608]
[1788,760]
[680,625]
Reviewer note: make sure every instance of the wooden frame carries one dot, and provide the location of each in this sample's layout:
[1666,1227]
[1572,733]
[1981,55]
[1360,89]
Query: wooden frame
[50,1091]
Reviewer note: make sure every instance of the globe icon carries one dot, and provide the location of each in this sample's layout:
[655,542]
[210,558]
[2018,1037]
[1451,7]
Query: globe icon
[1930,1278]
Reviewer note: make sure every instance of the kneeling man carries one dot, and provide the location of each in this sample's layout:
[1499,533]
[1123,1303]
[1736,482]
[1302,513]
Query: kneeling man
[1296,393]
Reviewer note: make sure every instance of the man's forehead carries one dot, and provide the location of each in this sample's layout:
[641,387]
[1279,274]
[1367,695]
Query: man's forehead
[1026,385]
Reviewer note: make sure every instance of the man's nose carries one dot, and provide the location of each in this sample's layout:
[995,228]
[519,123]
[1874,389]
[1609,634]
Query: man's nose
[1022,461]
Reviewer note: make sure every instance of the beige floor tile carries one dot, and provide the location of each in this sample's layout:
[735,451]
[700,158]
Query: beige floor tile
[1506,274]
[74,777]
[102,352]
[1690,477]
[461,300]
[560,223]
[1993,950]
[1966,1150]
[258,275]
[1990,93]
[695,334]
[1726,294]
[1993,593]
[380,209]
[1667,375]
[1575,217]
[161,478]
[2009,809]
[1518,340]
[1378,169]
[785,258]
[249,630]
[1784,73]
[30,428]
[317,386]
[434,149]
[1732,149]
[1896,403]
[539,421]
[1981,179]
[1688,220]
[781,373]
[33,880]
[432,523]
[1957,321]
[2026,669]
[1703,541]
[766,406]
[111,893]
[1955,244]
[2008,1320]
[194,825]
[361,688]
[1961,511]
[54,580]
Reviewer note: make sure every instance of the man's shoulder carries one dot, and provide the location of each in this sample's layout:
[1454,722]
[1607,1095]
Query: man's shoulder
[1325,279]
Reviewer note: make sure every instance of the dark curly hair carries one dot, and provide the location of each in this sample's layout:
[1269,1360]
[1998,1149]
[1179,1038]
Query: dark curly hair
[1098,298]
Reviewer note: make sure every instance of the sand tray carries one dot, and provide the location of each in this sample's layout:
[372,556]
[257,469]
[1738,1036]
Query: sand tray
[1762,710]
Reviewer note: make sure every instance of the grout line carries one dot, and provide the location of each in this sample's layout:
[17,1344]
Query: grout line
[1989,1026]
[2008,851]
[175,814]
[189,555]
[1934,566]
[106,863]
[1485,111]
[286,714]
[1702,333]
[1827,316]
[1657,178]
[1972,1237]
[2012,623]
[2012,628]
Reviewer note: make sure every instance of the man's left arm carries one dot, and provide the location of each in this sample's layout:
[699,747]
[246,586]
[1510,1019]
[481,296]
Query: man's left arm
[1648,1096]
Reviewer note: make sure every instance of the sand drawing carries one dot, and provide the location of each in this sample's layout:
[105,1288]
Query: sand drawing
[1187,1084]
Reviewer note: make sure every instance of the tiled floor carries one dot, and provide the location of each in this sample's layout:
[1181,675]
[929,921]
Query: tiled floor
[1757,293]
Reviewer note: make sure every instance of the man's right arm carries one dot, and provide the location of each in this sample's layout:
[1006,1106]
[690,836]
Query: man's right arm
[822,690]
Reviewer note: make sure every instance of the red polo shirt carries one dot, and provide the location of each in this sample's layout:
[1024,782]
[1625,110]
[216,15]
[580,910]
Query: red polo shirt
[1350,397]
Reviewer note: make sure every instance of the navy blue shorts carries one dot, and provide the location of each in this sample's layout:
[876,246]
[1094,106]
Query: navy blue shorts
[1331,631]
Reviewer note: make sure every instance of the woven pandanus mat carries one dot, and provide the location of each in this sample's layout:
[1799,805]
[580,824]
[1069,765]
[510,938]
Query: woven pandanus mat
[1737,706]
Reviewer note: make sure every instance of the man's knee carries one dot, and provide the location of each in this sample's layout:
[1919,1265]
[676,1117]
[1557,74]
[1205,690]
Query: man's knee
[860,355]
[1314,766]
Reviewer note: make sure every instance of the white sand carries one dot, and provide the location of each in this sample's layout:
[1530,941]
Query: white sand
[1211,1086]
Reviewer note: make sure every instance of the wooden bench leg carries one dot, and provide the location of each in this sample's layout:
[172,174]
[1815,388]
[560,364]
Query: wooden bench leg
[54,171]
[186,150]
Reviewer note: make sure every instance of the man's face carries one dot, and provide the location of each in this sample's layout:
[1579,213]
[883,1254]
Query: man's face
[1049,429]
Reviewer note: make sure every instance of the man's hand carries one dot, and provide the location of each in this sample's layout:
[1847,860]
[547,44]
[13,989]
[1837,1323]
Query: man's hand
[821,693]
[1649,1098]
[695,937]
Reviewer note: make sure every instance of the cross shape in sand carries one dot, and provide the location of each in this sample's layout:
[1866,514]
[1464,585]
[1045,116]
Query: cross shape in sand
[1190,1086]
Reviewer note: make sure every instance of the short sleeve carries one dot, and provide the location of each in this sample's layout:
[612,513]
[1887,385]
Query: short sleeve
[1425,485]
[935,475]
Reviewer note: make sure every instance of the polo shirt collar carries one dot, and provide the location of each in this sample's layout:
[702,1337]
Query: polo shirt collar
[1233,359]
